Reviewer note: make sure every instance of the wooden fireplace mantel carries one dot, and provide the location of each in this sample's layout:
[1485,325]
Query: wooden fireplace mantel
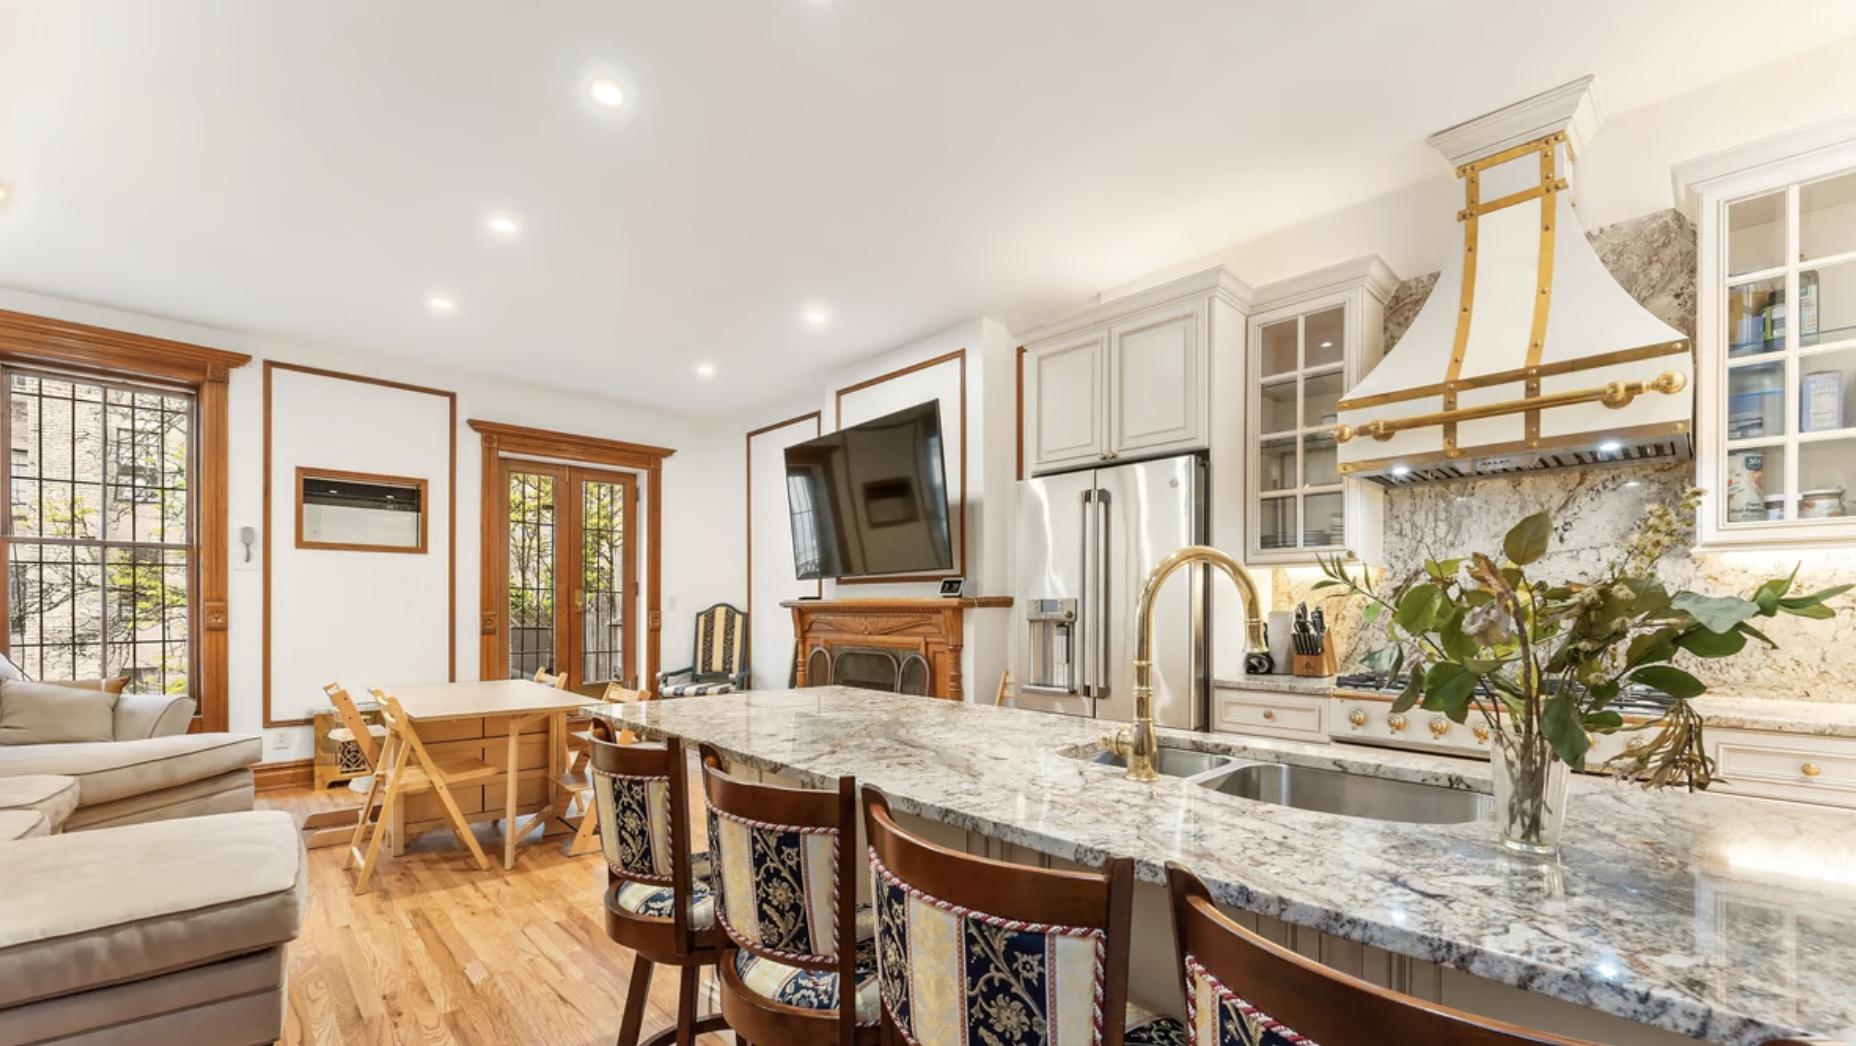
[931,627]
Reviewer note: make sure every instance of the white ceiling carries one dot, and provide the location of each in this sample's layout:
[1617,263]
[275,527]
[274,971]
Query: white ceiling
[314,169]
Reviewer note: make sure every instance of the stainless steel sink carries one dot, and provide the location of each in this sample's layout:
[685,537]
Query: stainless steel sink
[1173,762]
[1352,795]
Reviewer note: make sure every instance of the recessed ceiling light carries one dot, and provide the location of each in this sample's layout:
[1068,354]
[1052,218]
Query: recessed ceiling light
[5,194]
[1610,446]
[441,304]
[605,92]
[1401,470]
[503,226]
[817,316]
[705,371]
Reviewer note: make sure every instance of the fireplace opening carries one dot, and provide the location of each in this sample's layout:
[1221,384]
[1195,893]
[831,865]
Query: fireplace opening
[869,668]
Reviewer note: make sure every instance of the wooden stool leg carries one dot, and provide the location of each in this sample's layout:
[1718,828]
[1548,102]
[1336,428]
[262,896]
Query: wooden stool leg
[583,841]
[633,1020]
[388,807]
[458,823]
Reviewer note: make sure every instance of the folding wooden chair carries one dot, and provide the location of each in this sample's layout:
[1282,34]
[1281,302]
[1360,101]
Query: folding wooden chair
[578,781]
[406,767]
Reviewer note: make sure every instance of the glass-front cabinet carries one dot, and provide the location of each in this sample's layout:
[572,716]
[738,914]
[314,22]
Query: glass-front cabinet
[1776,339]
[1310,339]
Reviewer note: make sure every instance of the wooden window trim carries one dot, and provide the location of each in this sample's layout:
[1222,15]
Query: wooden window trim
[81,348]
[500,440]
[306,472]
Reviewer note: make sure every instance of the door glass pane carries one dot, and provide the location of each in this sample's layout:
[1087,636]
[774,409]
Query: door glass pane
[602,581]
[1756,317]
[1323,396]
[1326,333]
[1320,461]
[1277,523]
[1277,464]
[1755,484]
[1824,400]
[1827,217]
[531,573]
[1278,348]
[1826,470]
[1827,305]
[1756,233]
[1278,407]
[1756,401]
[1327,520]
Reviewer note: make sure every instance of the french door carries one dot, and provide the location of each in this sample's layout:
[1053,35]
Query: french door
[570,573]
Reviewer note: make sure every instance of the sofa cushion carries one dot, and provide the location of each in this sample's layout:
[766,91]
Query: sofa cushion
[22,824]
[89,909]
[112,685]
[225,794]
[42,713]
[152,715]
[53,795]
[232,1000]
[110,770]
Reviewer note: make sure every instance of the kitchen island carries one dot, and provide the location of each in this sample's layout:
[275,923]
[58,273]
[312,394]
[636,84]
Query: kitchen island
[1720,918]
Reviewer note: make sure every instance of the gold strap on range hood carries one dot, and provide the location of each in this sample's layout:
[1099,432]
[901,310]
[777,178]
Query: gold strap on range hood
[1614,394]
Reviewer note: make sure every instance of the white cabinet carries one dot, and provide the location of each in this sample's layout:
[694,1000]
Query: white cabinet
[1775,339]
[1271,713]
[1311,338]
[1130,378]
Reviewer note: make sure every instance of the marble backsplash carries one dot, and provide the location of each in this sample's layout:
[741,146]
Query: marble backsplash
[1593,510]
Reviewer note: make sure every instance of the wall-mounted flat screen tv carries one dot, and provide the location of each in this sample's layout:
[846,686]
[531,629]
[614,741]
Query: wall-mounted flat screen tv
[871,499]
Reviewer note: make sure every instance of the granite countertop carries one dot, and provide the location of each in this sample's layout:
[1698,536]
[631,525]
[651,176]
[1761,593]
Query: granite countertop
[1821,718]
[1723,918]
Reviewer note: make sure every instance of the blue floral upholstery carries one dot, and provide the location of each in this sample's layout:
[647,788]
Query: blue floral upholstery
[813,989]
[721,656]
[695,689]
[777,886]
[634,825]
[949,976]
[656,900]
[1148,1030]
[1219,1017]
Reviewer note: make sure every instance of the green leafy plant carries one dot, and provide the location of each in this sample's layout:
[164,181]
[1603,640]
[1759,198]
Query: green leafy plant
[1540,662]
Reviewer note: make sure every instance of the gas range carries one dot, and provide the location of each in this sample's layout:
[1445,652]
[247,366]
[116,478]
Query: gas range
[1360,712]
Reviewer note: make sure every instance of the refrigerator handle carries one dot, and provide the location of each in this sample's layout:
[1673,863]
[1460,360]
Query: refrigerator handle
[1086,623]
[1101,594]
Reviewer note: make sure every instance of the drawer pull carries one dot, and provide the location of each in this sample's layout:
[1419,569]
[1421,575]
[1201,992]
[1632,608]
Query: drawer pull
[1269,713]
[1810,770]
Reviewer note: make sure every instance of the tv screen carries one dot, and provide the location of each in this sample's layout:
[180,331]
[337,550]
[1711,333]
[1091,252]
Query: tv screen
[870,499]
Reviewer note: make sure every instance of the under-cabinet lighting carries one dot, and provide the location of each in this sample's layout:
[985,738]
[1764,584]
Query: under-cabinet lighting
[1610,446]
[1327,344]
[1401,470]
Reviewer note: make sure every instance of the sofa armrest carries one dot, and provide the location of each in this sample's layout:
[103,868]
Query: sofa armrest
[140,716]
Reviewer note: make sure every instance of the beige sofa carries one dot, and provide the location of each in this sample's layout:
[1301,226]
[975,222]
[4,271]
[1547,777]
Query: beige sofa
[153,770]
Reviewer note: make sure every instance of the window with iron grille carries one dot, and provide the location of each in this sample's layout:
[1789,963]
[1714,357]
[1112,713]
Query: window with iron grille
[101,536]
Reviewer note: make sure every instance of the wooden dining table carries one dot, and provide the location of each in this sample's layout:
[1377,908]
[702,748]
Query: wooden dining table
[503,706]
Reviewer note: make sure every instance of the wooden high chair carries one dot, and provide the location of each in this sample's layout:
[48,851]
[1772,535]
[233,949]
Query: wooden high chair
[578,781]
[406,767]
[331,827]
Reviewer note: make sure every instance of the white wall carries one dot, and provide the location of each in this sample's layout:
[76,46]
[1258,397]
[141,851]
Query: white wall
[703,551]
[991,415]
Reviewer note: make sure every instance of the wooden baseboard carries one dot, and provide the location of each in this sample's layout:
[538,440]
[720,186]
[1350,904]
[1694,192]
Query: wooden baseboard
[277,777]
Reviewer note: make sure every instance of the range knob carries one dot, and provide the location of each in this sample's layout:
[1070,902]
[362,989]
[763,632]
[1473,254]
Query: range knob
[1396,722]
[1439,726]
[1481,732]
[1356,717]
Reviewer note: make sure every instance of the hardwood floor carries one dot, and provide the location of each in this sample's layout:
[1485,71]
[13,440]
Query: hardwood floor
[441,952]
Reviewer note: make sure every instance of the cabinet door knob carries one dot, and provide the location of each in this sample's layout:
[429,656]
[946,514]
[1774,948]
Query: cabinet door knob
[1810,770]
[1396,722]
[1269,713]
[1356,717]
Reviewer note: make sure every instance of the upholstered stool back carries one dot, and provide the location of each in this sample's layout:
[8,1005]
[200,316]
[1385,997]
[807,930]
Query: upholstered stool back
[972,950]
[1242,990]
[641,796]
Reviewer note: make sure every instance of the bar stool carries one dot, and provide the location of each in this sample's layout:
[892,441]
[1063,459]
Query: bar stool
[1241,989]
[785,874]
[972,950]
[658,901]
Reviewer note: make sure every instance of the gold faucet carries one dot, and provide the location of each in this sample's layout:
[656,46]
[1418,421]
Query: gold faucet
[1137,742]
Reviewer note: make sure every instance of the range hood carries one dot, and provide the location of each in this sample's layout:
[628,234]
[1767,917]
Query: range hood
[1527,355]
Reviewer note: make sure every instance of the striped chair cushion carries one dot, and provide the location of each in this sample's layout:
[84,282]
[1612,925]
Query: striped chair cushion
[816,989]
[634,824]
[720,640]
[695,689]
[656,901]
[1217,1016]
[777,885]
[949,976]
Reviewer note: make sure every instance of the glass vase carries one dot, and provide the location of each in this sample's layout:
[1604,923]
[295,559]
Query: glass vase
[1530,795]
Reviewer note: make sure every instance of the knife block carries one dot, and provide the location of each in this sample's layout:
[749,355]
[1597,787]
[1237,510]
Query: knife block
[1322,664]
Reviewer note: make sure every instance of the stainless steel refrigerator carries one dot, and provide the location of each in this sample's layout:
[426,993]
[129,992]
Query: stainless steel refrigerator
[1086,541]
